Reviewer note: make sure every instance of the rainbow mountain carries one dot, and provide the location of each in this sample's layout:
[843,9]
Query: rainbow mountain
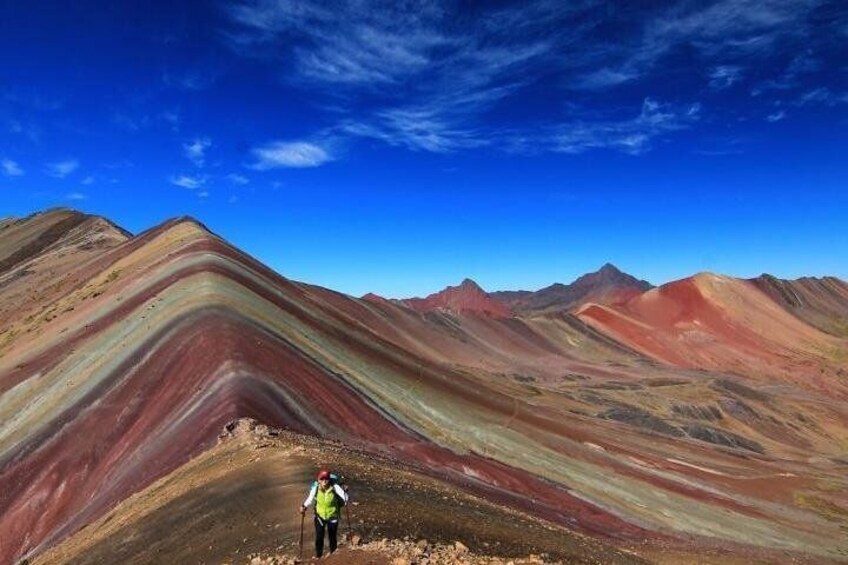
[700,419]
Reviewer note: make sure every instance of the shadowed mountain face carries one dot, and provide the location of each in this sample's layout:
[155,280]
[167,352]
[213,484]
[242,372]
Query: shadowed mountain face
[822,303]
[697,414]
[44,254]
[608,285]
[55,231]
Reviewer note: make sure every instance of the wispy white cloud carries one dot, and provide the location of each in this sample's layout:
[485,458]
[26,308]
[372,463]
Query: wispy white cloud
[776,116]
[369,56]
[32,99]
[61,169]
[720,146]
[292,154]
[28,130]
[135,121]
[424,129]
[269,18]
[172,118]
[724,76]
[76,196]
[778,84]
[126,122]
[11,168]
[727,30]
[633,136]
[820,95]
[412,76]
[188,181]
[377,44]
[432,80]
[604,78]
[727,27]
[191,80]
[195,150]
[238,179]
[89,180]
[791,78]
[447,118]
[119,164]
[802,64]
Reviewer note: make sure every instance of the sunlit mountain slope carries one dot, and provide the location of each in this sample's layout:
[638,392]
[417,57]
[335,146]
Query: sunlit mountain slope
[623,423]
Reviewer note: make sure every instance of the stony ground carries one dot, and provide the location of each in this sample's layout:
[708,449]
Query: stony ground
[237,504]
[403,552]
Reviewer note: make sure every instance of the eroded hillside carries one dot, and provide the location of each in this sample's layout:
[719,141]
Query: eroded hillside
[697,415]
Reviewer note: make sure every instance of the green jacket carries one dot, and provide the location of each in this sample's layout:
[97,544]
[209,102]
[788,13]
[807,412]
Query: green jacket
[327,502]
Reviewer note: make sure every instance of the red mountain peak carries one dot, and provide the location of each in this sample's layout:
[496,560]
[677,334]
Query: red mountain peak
[468,297]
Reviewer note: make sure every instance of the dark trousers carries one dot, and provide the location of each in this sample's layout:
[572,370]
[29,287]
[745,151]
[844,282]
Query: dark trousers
[332,527]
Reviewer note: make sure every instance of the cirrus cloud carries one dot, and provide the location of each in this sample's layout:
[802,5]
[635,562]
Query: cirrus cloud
[410,77]
[289,154]
[725,76]
[633,136]
[11,168]
[61,169]
[188,181]
[195,150]
[238,179]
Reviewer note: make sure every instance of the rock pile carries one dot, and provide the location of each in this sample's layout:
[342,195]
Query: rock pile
[407,552]
[421,552]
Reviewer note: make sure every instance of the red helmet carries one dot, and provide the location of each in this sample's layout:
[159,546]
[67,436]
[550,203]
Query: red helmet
[323,474]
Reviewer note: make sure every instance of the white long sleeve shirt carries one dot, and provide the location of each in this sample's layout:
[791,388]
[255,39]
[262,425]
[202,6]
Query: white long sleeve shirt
[314,490]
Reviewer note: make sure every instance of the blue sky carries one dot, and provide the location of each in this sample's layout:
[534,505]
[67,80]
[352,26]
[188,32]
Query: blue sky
[399,147]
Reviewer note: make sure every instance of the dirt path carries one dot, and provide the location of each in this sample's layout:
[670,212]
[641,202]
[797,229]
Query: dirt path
[240,500]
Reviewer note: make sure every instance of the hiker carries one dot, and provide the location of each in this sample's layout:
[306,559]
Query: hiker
[328,497]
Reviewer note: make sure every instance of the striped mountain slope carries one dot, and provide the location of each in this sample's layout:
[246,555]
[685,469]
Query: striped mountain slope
[151,344]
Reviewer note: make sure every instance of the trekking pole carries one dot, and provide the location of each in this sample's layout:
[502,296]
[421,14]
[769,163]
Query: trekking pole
[347,511]
[347,514]
[302,516]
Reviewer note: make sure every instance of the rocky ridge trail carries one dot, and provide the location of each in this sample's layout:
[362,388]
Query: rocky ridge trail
[237,504]
[404,552]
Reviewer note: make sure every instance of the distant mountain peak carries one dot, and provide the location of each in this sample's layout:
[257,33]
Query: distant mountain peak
[466,286]
[708,277]
[190,220]
[55,228]
[607,272]
[468,297]
[609,267]
[607,285]
[470,284]
[182,223]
